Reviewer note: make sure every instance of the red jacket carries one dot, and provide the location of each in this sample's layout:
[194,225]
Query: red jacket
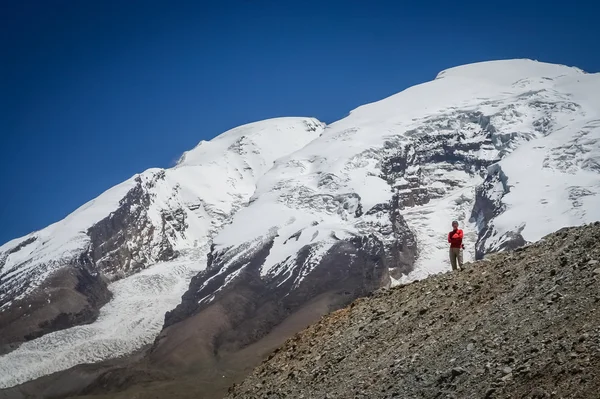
[455,238]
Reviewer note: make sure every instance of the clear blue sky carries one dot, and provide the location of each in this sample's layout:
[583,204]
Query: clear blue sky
[92,92]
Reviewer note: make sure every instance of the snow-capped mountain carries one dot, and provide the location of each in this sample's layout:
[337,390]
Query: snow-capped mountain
[275,217]
[510,149]
[56,277]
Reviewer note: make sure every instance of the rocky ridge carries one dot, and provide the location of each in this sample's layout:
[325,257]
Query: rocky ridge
[524,323]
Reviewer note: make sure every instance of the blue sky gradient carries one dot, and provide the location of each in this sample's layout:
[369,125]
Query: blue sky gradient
[92,92]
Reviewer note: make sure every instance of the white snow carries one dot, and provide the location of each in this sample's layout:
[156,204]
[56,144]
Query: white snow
[546,198]
[509,72]
[373,189]
[555,180]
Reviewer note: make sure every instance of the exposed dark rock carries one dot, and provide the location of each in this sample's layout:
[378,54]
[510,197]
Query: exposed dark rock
[253,304]
[488,205]
[438,143]
[121,242]
[20,246]
[400,245]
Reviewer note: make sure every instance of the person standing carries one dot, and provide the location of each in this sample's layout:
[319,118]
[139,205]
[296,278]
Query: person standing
[455,238]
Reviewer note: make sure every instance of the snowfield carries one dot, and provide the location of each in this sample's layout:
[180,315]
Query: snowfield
[507,148]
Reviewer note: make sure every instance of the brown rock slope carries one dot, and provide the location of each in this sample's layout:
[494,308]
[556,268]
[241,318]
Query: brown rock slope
[524,324]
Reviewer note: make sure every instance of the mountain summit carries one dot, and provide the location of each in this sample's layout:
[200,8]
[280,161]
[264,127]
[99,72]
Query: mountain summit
[271,225]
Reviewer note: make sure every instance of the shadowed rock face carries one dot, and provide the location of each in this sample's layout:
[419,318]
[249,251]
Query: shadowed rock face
[439,141]
[250,306]
[488,205]
[121,242]
[399,245]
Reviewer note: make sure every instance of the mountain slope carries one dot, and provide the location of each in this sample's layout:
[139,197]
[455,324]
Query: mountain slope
[57,277]
[521,324]
[509,148]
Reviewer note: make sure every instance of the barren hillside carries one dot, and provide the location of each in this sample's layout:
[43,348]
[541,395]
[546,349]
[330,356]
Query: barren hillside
[523,324]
